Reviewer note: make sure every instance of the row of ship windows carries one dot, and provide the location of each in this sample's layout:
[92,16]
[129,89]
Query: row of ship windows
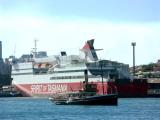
[66,77]
[71,77]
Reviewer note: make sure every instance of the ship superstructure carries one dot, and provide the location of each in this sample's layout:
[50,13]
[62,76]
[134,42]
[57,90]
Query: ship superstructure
[41,75]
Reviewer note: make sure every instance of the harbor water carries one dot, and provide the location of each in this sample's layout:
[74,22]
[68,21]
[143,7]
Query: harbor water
[43,109]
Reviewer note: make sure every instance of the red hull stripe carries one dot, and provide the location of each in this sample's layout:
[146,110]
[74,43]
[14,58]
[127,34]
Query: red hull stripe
[49,89]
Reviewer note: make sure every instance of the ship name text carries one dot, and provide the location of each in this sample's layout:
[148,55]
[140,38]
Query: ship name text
[49,88]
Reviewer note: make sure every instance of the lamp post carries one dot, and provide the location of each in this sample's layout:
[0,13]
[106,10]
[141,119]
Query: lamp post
[133,44]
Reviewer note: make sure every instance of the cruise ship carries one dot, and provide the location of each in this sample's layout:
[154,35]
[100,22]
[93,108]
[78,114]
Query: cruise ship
[39,75]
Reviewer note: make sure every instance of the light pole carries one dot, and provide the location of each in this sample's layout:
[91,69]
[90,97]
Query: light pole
[133,44]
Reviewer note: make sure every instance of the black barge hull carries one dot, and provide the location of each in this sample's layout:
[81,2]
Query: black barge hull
[92,100]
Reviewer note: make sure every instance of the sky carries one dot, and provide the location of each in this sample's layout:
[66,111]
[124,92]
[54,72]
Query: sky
[65,25]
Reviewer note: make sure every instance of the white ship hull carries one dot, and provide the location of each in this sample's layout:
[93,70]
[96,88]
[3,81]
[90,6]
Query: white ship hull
[44,86]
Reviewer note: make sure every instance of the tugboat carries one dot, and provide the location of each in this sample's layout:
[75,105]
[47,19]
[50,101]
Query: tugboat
[87,96]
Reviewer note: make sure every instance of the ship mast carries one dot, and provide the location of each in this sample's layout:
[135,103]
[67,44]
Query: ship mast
[35,49]
[101,66]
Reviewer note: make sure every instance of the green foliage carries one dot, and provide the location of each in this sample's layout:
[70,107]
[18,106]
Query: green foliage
[149,67]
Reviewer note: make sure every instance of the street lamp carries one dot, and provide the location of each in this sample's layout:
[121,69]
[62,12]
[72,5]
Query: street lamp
[133,44]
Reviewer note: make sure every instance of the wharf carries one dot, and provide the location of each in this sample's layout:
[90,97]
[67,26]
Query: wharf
[9,91]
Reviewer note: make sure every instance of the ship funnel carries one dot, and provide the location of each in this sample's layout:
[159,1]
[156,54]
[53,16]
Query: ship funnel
[86,76]
[89,50]
[63,53]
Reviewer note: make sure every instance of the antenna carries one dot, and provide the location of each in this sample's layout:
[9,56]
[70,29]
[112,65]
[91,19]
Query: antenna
[35,48]
[14,54]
